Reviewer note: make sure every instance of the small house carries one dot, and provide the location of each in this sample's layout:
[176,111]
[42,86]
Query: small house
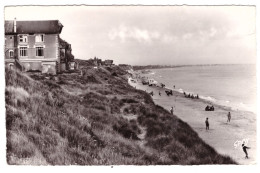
[107,63]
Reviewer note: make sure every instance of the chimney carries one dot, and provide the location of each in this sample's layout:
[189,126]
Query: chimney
[14,25]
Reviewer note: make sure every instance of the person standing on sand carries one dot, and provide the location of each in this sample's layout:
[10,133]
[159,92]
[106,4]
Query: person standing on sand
[172,110]
[229,117]
[159,93]
[207,124]
[244,149]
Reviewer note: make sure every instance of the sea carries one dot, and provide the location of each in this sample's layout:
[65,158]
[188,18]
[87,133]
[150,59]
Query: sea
[233,86]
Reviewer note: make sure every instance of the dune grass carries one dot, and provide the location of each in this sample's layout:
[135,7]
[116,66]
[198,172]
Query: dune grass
[79,120]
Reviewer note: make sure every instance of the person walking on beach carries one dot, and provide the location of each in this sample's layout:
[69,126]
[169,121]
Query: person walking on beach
[159,93]
[245,151]
[172,110]
[207,124]
[229,117]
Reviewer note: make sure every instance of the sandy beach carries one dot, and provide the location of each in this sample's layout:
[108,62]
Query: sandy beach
[225,137]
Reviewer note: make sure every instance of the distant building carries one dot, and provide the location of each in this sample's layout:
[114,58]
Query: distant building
[97,61]
[36,46]
[107,63]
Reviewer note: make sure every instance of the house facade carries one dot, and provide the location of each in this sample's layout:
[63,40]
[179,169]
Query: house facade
[34,45]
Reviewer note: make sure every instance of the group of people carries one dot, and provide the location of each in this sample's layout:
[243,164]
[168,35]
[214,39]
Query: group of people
[191,96]
[209,108]
[244,147]
[207,120]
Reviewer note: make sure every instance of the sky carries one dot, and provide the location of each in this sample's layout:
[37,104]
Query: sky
[151,35]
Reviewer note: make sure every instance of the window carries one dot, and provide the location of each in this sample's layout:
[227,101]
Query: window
[23,38]
[39,51]
[23,51]
[39,38]
[11,53]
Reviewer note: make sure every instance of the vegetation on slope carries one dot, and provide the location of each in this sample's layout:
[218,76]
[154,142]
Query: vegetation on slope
[94,118]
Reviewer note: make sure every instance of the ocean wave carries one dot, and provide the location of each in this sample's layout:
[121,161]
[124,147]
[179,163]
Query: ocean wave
[208,98]
[181,90]
[225,102]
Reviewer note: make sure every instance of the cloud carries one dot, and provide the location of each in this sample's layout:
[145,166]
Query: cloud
[124,33]
[153,34]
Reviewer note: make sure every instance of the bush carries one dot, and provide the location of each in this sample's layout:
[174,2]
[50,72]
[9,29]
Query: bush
[127,100]
[126,130]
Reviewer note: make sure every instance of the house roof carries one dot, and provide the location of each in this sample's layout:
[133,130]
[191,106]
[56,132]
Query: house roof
[27,27]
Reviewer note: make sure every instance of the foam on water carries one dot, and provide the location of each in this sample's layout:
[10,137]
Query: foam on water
[228,85]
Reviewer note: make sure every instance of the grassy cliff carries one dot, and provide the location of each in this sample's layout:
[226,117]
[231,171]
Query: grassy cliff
[94,118]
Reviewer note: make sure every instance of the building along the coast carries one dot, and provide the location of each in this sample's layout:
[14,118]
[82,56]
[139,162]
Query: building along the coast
[37,46]
[107,62]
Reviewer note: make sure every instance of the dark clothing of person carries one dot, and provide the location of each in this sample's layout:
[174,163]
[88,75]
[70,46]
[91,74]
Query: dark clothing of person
[207,124]
[244,149]
[229,117]
[171,110]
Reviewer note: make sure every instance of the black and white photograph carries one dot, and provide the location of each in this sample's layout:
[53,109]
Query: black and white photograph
[139,85]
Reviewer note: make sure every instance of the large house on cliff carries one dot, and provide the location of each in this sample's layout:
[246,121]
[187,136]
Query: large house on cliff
[36,46]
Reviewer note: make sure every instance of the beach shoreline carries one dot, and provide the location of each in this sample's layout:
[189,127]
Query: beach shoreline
[225,137]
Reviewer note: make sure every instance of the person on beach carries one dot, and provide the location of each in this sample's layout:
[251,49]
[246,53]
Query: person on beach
[159,93]
[207,124]
[172,110]
[229,117]
[245,151]
[174,86]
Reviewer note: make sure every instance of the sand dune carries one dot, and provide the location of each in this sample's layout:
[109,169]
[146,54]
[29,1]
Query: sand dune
[223,136]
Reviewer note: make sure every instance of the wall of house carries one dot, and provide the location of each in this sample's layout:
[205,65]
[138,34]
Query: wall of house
[50,67]
[49,44]
[9,41]
[34,66]
[9,45]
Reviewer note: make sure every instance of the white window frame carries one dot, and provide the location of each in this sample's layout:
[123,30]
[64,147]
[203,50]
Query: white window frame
[23,51]
[39,38]
[37,49]
[11,53]
[23,38]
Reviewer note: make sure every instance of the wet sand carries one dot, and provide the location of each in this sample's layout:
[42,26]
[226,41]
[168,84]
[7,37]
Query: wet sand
[221,135]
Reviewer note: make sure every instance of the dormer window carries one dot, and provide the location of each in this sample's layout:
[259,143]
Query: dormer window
[39,38]
[23,38]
